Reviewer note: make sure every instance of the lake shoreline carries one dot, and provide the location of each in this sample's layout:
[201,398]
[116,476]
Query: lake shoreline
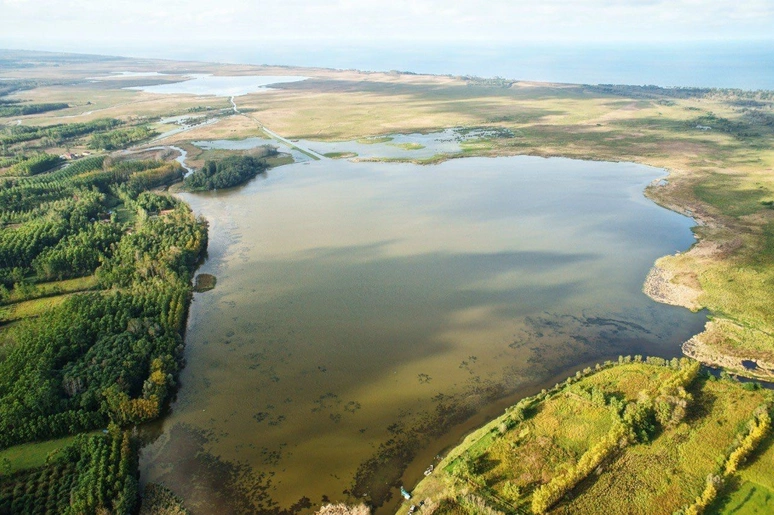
[494,398]
[708,167]
[659,285]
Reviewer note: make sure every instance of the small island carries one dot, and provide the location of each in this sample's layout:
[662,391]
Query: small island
[226,173]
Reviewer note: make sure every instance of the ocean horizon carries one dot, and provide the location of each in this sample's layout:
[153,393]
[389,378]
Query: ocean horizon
[744,65]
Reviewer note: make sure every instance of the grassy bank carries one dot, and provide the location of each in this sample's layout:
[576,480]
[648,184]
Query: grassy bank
[629,437]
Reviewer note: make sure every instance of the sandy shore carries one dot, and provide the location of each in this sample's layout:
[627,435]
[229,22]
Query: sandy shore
[662,286]
[699,350]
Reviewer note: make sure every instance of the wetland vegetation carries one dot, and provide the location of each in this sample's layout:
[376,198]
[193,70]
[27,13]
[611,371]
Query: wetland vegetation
[634,435]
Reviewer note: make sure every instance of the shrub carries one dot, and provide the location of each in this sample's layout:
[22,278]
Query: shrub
[550,493]
[759,428]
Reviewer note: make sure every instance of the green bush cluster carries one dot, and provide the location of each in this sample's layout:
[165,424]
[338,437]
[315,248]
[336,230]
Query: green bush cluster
[15,109]
[226,173]
[120,138]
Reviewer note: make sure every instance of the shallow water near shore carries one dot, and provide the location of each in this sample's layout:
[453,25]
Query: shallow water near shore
[365,312]
[220,86]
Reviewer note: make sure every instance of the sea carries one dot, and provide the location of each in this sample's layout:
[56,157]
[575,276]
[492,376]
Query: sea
[745,65]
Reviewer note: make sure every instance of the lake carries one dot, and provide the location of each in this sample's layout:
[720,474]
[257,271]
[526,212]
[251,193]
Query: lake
[367,315]
[221,86]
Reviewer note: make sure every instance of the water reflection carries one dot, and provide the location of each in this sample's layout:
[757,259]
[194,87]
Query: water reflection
[364,310]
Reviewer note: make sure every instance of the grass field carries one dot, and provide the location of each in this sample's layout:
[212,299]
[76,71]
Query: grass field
[29,308]
[500,466]
[557,435]
[749,499]
[58,287]
[30,455]
[752,492]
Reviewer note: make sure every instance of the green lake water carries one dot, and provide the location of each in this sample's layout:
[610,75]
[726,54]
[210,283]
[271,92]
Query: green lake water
[367,315]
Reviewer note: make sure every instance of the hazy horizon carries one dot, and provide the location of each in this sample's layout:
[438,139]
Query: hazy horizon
[744,65]
[720,43]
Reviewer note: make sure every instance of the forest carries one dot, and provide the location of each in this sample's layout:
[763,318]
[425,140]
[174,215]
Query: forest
[95,472]
[35,164]
[104,358]
[120,138]
[18,109]
[55,134]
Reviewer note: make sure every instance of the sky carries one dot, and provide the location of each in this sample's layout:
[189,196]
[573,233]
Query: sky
[104,26]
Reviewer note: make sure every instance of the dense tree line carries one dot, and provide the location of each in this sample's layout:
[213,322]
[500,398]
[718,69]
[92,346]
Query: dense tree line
[22,244]
[65,214]
[13,109]
[120,138]
[48,382]
[651,91]
[35,164]
[25,198]
[753,124]
[57,133]
[226,173]
[77,254]
[10,85]
[102,357]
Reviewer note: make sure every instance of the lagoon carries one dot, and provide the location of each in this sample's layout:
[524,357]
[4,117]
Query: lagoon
[367,314]
[221,86]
